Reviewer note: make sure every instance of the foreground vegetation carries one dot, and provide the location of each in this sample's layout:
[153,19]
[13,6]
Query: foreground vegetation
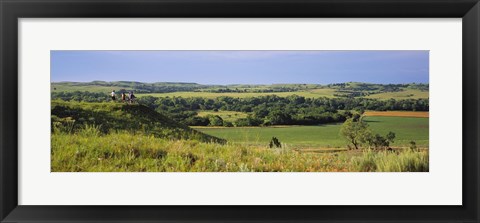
[88,150]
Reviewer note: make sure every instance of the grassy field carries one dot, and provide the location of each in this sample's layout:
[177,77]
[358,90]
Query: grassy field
[325,136]
[229,116]
[296,136]
[406,129]
[89,151]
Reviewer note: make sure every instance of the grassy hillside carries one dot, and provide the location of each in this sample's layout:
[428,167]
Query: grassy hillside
[112,117]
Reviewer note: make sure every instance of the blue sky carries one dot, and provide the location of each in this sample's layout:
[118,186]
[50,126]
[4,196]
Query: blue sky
[242,67]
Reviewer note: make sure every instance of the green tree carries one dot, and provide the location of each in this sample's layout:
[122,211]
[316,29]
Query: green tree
[356,132]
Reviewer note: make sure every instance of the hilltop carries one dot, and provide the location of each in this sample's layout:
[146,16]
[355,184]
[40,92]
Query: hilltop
[114,117]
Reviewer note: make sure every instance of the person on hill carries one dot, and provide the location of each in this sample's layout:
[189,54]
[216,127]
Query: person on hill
[113,95]
[123,97]
[131,96]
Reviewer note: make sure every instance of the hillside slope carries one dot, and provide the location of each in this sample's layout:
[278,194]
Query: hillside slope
[114,117]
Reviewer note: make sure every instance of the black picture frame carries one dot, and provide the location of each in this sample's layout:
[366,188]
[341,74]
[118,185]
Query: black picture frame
[12,10]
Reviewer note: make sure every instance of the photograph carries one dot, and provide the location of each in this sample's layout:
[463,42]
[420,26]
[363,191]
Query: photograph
[239,110]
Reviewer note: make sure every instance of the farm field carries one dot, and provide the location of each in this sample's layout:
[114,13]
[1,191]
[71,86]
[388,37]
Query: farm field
[325,136]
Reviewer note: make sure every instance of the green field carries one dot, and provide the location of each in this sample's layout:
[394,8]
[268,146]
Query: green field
[326,136]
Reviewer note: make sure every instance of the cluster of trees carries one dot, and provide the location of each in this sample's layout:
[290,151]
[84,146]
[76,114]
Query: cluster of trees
[359,135]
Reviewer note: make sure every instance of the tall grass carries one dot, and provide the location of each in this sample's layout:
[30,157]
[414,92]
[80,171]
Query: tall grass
[386,161]
[89,150]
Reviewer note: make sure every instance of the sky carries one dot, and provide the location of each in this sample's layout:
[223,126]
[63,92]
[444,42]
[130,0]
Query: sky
[242,67]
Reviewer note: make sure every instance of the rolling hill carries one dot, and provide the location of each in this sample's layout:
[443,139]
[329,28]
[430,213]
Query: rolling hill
[115,117]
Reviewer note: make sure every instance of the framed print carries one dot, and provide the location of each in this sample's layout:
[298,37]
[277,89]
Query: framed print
[239,111]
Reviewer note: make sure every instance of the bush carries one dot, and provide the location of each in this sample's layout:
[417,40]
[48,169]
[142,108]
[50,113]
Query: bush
[275,143]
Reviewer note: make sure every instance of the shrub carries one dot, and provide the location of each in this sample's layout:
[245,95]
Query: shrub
[275,143]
